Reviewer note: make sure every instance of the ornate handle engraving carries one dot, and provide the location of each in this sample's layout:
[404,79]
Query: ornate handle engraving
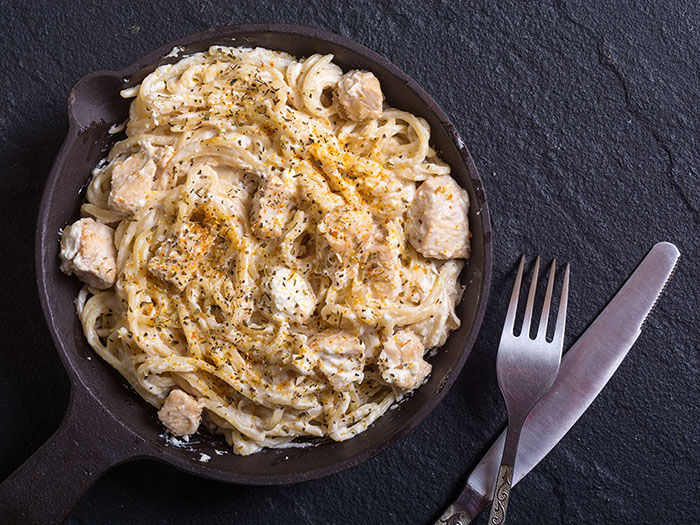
[455,515]
[501,495]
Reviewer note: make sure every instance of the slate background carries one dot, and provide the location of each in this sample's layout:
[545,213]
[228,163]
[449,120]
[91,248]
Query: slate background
[583,118]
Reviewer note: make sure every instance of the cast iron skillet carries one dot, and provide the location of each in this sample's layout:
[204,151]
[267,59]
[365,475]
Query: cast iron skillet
[107,423]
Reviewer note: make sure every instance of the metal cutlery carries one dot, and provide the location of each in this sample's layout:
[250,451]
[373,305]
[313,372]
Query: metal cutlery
[585,369]
[526,368]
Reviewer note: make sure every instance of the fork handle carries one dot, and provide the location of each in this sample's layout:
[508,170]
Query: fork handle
[504,480]
[501,495]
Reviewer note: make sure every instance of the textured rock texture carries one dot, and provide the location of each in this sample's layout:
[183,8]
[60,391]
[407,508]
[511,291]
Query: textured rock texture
[583,120]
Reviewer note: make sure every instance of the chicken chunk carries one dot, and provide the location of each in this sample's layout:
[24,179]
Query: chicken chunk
[437,225]
[132,181]
[272,206]
[383,264]
[287,295]
[87,250]
[340,357]
[360,95]
[348,231]
[177,258]
[181,413]
[401,361]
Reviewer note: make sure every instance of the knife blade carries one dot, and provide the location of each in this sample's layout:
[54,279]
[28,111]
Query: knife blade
[585,370]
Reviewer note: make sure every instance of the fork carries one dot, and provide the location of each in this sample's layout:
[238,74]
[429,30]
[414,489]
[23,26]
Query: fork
[526,369]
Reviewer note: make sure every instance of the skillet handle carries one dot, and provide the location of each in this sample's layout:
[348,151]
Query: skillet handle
[51,482]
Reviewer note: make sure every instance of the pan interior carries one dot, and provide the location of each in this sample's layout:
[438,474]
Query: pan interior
[95,106]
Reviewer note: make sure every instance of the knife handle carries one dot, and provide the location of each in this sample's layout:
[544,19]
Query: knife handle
[455,515]
[501,495]
[465,508]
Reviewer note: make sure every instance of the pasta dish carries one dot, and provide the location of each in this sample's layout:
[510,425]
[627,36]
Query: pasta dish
[272,250]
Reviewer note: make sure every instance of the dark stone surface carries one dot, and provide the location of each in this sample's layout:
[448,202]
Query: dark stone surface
[584,123]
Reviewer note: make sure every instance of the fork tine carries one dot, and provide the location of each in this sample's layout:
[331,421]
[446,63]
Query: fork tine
[561,316]
[513,306]
[544,317]
[530,300]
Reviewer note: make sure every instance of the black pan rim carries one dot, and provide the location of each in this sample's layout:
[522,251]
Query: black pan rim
[44,236]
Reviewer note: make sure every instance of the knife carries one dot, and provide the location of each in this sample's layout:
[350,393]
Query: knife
[585,370]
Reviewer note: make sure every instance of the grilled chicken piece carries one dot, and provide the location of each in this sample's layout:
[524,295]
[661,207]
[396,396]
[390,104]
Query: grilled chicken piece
[340,357]
[87,250]
[383,265]
[401,361]
[360,95]
[287,295]
[348,231]
[181,413]
[272,206]
[437,225]
[132,181]
[177,258]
